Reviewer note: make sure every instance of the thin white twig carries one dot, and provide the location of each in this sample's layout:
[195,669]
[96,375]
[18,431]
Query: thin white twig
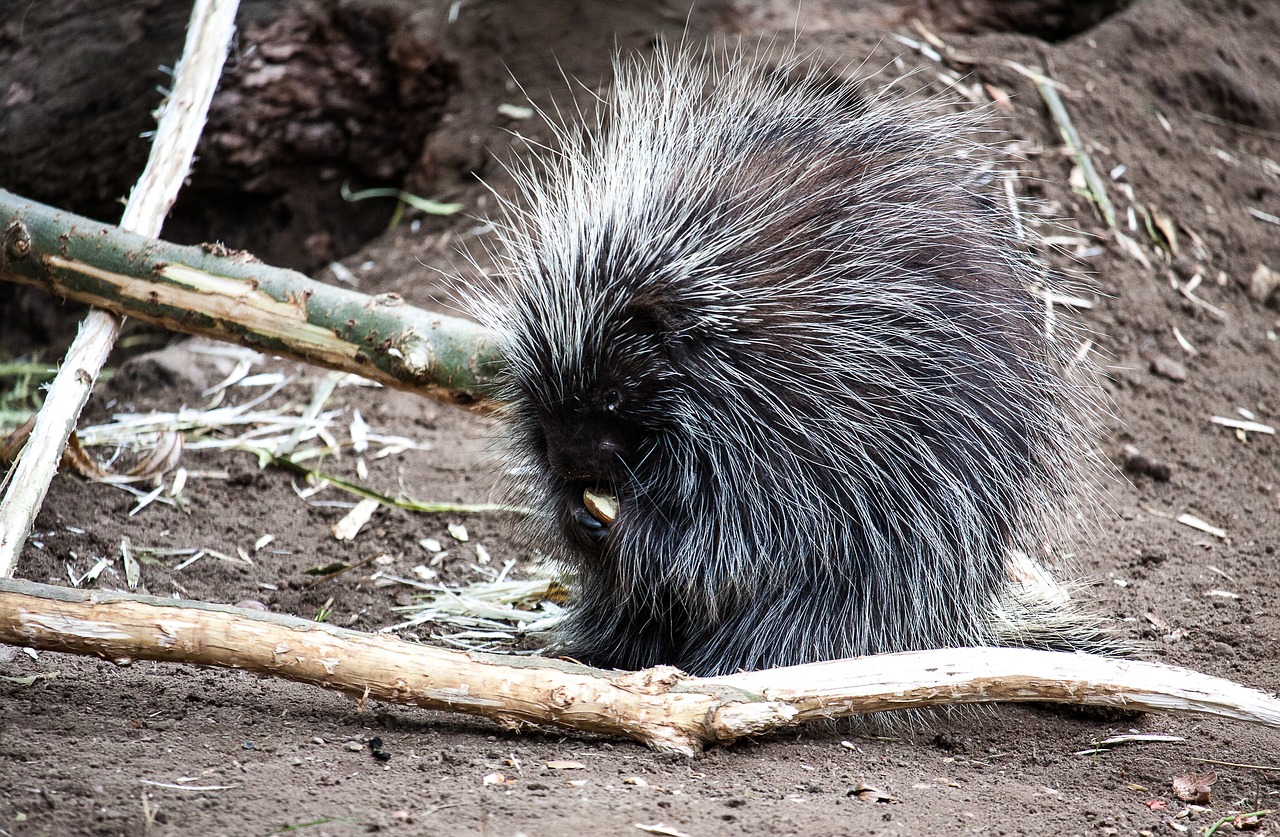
[181,121]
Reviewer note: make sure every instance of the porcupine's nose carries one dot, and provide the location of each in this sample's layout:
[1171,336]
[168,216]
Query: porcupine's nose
[585,455]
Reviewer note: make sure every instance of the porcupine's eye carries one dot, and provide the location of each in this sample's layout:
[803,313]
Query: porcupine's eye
[612,400]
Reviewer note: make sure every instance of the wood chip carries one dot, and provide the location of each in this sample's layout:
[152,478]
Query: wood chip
[659,828]
[179,481]
[1131,248]
[1196,523]
[1246,426]
[1135,738]
[196,788]
[359,433]
[1264,216]
[132,571]
[348,527]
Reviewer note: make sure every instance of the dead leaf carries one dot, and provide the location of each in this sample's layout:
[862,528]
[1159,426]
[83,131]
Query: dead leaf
[1168,232]
[1193,787]
[77,460]
[30,679]
[565,765]
[1156,804]
[14,441]
[331,568]
[1248,822]
[161,459]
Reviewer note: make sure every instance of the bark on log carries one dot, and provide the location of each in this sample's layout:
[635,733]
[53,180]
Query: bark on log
[660,707]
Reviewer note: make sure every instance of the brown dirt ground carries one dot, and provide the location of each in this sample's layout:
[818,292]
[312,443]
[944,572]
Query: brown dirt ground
[1184,94]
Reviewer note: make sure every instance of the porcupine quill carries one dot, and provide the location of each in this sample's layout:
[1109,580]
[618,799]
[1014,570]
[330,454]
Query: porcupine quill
[776,386]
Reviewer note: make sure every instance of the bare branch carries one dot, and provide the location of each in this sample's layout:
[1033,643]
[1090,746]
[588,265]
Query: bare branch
[660,707]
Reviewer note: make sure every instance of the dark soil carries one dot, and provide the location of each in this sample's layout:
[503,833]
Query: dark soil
[1184,95]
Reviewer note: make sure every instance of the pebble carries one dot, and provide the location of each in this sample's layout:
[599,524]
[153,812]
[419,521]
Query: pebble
[1167,367]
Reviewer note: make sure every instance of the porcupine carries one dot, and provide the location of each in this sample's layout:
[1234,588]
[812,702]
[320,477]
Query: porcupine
[776,320]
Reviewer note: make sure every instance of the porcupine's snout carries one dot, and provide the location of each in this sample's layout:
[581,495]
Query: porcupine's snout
[589,456]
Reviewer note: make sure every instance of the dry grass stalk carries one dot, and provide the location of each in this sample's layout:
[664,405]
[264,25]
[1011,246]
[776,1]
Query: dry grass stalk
[1097,190]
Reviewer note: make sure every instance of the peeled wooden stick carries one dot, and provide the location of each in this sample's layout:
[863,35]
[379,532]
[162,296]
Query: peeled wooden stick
[660,707]
[182,120]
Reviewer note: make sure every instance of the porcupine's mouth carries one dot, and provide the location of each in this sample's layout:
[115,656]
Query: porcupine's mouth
[594,508]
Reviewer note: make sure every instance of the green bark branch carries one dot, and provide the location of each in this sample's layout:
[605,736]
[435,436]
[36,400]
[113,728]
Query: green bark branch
[230,296]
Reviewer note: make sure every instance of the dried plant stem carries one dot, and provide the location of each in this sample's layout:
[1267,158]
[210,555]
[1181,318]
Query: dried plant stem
[1093,182]
[183,117]
[660,707]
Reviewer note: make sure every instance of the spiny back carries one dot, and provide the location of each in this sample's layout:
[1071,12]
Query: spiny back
[777,318]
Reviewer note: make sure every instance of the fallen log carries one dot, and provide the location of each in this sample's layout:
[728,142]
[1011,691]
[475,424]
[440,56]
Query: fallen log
[660,707]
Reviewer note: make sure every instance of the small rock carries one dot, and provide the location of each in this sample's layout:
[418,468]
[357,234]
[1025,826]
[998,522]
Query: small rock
[1136,462]
[1167,367]
[1263,283]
